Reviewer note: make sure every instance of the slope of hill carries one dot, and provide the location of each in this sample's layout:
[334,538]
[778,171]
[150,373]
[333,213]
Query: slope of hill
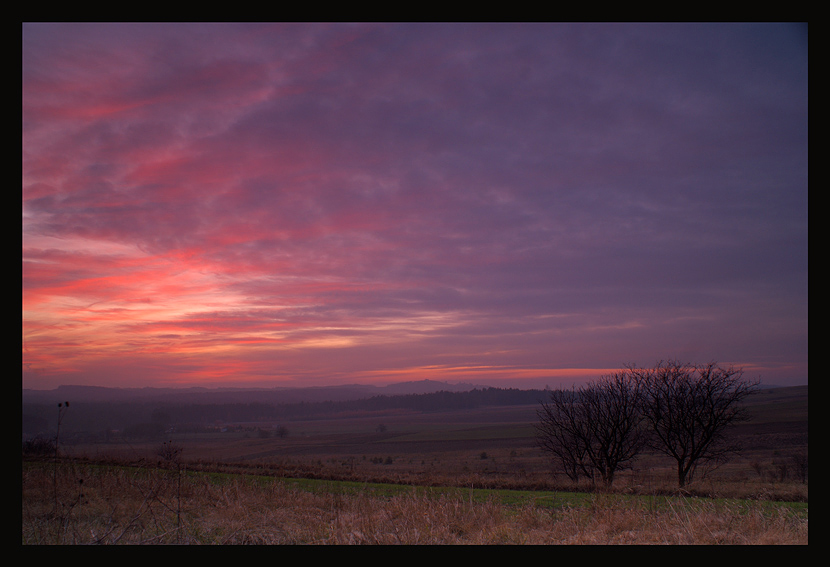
[200,395]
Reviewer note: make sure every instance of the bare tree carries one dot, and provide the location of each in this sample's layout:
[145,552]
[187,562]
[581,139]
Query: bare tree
[562,432]
[594,430]
[689,410]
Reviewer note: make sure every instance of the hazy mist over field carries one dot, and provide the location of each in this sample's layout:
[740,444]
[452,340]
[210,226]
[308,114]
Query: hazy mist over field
[512,205]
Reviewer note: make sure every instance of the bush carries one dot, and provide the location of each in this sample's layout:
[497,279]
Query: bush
[39,447]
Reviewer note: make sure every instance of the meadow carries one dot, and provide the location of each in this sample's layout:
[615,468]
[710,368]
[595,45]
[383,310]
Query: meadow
[470,476]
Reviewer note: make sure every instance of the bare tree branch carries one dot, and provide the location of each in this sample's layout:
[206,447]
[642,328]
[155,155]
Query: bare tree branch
[689,410]
[593,431]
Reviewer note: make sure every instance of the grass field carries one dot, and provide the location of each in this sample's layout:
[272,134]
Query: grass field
[472,476]
[131,505]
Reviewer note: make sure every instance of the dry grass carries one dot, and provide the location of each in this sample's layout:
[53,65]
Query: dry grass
[108,505]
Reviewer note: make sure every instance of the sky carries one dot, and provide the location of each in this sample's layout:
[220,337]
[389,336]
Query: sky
[512,205]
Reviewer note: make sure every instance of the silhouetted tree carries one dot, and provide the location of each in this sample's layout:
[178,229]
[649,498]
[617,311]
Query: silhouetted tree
[593,430]
[689,410]
[562,432]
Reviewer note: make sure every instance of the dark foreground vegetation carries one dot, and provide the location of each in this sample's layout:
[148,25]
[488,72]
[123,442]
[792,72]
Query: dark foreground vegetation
[94,504]
[399,473]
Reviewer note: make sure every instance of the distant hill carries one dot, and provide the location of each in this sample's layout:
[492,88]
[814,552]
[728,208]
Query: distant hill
[97,410]
[201,395]
[425,387]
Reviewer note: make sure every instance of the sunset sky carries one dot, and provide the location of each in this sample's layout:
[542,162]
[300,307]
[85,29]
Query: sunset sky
[514,205]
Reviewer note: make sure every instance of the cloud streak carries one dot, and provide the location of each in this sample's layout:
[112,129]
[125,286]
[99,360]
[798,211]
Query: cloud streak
[305,203]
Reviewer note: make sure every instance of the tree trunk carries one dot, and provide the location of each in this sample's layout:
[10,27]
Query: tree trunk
[681,475]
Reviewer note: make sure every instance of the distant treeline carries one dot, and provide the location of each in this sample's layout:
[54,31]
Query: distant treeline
[437,401]
[95,417]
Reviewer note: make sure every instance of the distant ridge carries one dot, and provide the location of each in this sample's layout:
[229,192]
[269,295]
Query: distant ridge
[200,394]
[147,408]
[425,387]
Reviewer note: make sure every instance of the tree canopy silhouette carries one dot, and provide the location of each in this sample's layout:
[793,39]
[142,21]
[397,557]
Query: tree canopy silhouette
[681,410]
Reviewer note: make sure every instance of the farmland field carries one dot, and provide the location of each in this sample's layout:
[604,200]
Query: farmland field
[402,459]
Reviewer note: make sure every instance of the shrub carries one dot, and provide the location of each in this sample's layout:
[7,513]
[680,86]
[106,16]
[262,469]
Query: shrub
[39,447]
